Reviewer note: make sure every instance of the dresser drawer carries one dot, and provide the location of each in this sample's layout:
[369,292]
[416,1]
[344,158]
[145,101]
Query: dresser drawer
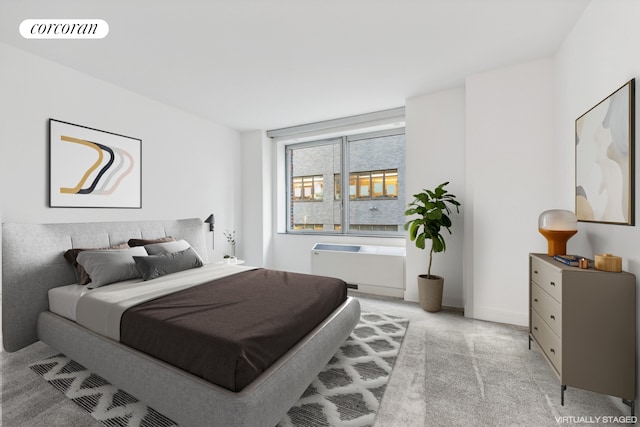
[547,277]
[548,341]
[547,308]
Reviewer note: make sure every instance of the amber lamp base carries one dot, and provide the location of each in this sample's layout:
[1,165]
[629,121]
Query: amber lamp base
[557,240]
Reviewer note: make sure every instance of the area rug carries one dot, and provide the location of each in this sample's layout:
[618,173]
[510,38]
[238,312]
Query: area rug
[106,403]
[347,392]
[349,389]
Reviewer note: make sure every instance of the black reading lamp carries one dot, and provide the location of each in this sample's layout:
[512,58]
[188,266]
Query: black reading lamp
[211,221]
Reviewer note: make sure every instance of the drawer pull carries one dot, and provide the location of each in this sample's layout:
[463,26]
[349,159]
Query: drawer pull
[552,283]
[535,300]
[552,317]
[535,271]
[535,328]
[552,351]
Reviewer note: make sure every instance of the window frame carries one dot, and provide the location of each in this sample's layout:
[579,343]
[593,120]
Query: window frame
[344,202]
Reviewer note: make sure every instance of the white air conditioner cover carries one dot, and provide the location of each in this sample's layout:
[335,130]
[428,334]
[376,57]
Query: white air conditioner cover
[380,268]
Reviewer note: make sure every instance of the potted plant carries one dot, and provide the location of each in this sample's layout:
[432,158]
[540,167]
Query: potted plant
[230,250]
[432,208]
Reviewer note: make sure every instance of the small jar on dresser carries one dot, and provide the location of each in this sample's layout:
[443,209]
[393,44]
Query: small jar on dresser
[584,322]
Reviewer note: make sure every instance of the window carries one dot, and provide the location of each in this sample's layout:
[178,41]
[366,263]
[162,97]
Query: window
[369,166]
[371,185]
[307,188]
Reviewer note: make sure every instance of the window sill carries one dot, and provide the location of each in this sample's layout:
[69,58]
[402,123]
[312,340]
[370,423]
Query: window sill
[340,235]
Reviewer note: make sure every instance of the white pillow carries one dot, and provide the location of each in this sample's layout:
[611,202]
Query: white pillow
[169,248]
[110,266]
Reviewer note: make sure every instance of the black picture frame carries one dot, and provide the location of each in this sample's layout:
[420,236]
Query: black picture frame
[92,168]
[605,159]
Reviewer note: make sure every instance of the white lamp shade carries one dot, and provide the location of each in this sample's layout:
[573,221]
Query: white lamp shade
[557,219]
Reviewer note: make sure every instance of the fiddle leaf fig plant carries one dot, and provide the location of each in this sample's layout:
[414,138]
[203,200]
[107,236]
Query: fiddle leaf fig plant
[432,208]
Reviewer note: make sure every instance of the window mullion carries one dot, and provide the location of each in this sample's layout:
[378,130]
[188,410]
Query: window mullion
[289,188]
[346,190]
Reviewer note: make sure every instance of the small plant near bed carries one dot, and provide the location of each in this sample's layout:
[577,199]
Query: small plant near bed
[230,251]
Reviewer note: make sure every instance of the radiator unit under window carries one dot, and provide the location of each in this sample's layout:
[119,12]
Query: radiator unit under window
[373,269]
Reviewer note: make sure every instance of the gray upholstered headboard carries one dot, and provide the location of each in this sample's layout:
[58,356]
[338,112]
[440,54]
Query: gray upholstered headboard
[33,263]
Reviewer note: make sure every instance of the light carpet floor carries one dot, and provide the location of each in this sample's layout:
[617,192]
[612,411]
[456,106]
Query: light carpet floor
[454,371]
[451,371]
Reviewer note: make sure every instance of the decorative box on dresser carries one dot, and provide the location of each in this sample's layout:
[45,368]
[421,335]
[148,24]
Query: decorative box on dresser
[584,321]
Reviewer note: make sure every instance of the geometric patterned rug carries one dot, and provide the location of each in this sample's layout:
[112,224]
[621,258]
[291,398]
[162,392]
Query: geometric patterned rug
[347,392]
[105,402]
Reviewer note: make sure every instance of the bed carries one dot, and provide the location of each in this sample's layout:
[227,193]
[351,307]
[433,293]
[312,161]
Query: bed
[33,264]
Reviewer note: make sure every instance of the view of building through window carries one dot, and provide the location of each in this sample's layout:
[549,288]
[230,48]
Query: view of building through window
[370,166]
[367,185]
[306,188]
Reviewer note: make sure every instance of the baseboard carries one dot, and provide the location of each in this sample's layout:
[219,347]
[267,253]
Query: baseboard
[377,290]
[500,316]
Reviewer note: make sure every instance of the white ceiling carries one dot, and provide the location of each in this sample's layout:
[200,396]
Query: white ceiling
[266,64]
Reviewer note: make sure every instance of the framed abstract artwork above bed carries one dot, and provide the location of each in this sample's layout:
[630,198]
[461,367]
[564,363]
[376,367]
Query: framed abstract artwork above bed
[605,139]
[91,168]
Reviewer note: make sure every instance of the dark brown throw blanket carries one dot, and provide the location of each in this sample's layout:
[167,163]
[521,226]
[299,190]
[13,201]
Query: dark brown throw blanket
[230,330]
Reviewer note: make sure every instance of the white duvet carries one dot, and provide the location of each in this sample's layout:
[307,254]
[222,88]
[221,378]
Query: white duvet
[101,309]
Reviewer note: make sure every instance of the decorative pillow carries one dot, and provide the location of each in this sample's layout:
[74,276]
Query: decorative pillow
[153,266]
[106,267]
[167,247]
[72,254]
[142,242]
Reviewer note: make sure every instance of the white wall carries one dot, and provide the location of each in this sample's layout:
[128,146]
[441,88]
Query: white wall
[190,166]
[435,154]
[598,56]
[508,183]
[257,199]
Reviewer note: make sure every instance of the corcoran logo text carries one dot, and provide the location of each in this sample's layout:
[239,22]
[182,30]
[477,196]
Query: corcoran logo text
[64,29]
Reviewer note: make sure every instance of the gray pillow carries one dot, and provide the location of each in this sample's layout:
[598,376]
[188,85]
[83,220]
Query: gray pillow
[153,266]
[81,274]
[110,266]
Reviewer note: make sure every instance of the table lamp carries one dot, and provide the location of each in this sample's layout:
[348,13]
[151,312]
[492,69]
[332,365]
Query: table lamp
[557,225]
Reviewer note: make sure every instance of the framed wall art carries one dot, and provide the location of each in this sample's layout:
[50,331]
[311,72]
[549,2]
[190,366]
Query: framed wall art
[91,168]
[605,139]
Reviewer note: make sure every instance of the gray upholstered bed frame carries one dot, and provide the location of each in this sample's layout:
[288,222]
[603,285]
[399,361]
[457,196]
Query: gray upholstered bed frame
[32,263]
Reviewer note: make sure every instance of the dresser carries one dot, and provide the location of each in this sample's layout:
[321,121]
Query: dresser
[584,322]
